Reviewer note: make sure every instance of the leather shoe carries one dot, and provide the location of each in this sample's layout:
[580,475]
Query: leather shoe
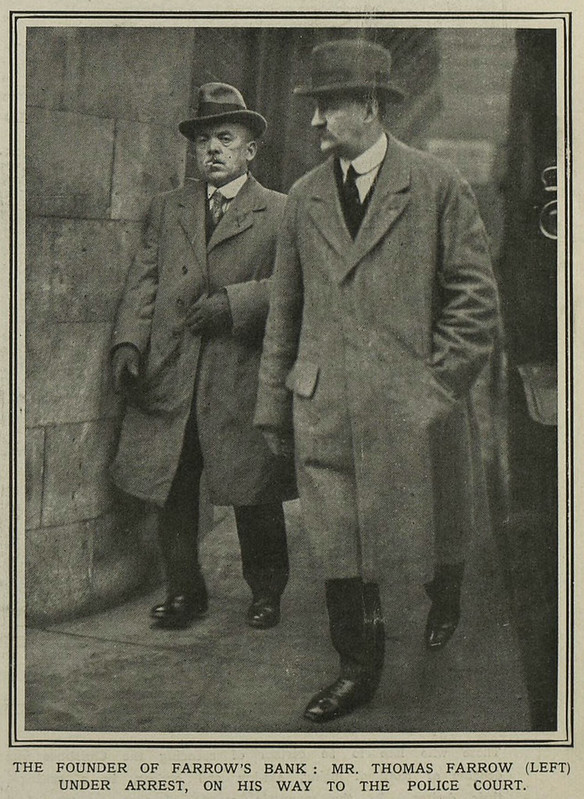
[439,630]
[177,612]
[438,634]
[263,613]
[338,699]
[444,613]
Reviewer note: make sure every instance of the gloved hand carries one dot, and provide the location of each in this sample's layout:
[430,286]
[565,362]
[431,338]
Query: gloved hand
[209,316]
[279,444]
[125,366]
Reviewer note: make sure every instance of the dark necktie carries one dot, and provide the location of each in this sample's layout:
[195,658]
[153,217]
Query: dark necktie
[352,207]
[217,207]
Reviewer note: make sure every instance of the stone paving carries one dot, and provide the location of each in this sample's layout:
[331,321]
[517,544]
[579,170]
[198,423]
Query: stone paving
[113,672]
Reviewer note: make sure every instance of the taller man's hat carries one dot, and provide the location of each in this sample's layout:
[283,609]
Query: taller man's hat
[220,102]
[350,64]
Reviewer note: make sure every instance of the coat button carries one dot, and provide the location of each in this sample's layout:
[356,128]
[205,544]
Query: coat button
[180,302]
[185,269]
[176,333]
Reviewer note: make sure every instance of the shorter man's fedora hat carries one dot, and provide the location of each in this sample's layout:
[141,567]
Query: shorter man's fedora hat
[350,65]
[220,102]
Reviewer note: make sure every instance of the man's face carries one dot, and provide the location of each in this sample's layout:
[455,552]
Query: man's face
[223,152]
[340,122]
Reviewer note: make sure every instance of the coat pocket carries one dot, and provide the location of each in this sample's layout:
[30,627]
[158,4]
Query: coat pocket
[302,378]
[441,385]
[414,394]
[435,401]
[168,378]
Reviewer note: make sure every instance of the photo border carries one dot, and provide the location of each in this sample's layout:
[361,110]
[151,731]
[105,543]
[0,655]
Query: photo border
[17,738]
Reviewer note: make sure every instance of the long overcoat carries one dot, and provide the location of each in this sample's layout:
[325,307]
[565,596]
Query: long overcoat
[378,341]
[174,267]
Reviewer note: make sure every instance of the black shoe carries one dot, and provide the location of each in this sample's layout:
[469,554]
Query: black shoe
[439,630]
[444,615]
[263,613]
[178,612]
[338,699]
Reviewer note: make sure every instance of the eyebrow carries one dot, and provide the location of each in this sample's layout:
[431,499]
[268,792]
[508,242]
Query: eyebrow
[220,132]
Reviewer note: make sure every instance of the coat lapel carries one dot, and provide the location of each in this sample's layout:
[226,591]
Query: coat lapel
[327,214]
[240,214]
[191,213]
[389,199]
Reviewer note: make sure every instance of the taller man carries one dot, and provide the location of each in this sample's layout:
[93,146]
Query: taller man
[382,315]
[186,351]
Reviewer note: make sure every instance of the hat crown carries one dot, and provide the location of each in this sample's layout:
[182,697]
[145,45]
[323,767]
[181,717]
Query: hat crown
[218,103]
[212,95]
[350,61]
[348,65]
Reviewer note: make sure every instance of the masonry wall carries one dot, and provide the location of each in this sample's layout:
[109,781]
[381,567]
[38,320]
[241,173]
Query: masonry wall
[101,135]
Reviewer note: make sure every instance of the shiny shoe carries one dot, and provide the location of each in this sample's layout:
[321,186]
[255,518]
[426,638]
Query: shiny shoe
[444,614]
[178,612]
[158,611]
[439,631]
[263,613]
[338,699]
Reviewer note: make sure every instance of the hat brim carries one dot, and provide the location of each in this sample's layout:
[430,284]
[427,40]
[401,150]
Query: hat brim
[254,121]
[391,91]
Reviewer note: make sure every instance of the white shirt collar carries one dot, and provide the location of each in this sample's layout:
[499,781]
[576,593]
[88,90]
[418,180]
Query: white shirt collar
[369,160]
[229,190]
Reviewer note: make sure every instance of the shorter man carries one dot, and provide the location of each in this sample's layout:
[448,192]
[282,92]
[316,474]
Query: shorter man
[186,350]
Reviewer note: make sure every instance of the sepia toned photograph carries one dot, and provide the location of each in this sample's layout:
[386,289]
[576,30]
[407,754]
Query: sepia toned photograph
[292,332]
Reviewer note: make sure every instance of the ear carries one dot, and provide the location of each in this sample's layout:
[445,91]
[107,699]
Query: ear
[251,150]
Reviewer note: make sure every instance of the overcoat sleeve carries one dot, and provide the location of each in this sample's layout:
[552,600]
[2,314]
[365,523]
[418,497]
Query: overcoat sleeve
[134,317]
[467,318]
[274,401]
[249,303]
[249,300]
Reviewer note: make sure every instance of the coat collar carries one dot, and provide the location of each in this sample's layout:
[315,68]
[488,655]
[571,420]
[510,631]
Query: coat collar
[390,197]
[239,217]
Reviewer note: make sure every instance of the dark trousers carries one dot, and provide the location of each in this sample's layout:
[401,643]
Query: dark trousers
[260,529]
[356,628]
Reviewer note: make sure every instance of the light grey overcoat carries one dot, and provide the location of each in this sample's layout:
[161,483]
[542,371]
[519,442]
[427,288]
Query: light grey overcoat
[371,349]
[173,268]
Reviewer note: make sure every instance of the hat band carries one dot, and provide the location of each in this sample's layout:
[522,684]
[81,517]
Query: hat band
[212,109]
[341,76]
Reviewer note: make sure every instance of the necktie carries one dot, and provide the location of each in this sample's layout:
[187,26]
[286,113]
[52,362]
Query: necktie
[352,209]
[216,207]
[350,186]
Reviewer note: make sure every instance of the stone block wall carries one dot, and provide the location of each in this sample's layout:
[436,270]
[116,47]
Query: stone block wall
[101,136]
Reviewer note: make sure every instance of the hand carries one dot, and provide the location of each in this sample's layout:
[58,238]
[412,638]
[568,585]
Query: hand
[280,444]
[209,316]
[125,366]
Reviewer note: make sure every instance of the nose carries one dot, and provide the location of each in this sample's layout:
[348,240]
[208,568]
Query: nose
[213,146]
[317,119]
